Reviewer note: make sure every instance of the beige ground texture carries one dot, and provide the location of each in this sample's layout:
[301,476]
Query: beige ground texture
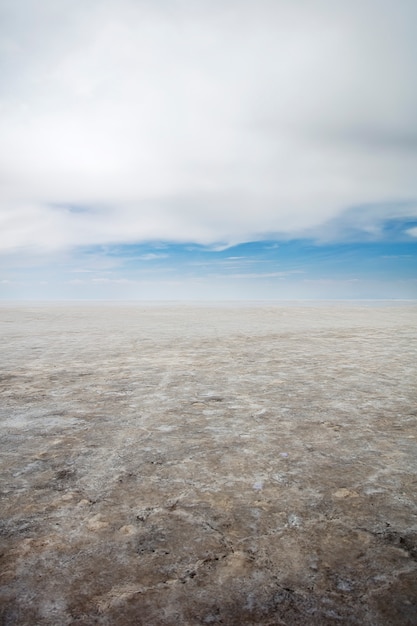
[184,465]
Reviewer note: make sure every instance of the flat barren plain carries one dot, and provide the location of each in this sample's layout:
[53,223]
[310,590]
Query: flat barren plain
[186,465]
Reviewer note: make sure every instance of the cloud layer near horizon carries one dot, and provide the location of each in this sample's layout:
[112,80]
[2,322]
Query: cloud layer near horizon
[204,121]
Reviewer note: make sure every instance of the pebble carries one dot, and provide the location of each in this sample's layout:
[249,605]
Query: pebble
[95,523]
[345,493]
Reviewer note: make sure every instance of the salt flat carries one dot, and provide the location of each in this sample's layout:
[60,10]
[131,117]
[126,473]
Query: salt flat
[208,464]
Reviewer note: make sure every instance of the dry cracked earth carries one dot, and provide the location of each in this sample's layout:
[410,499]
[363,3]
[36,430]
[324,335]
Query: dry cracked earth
[185,465]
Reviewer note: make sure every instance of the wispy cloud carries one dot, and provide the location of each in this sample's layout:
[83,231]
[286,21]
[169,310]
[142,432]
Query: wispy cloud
[261,275]
[151,256]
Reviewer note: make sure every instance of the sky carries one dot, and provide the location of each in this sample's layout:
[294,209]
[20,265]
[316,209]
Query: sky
[208,149]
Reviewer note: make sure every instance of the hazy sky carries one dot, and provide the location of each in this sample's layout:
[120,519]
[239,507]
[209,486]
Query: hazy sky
[208,148]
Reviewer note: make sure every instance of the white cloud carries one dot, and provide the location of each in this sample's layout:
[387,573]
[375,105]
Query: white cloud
[151,256]
[257,275]
[203,121]
[115,281]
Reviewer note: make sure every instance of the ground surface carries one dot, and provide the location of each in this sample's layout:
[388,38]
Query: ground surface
[203,465]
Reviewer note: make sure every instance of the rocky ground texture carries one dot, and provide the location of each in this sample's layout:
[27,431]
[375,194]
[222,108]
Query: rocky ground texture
[167,465]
